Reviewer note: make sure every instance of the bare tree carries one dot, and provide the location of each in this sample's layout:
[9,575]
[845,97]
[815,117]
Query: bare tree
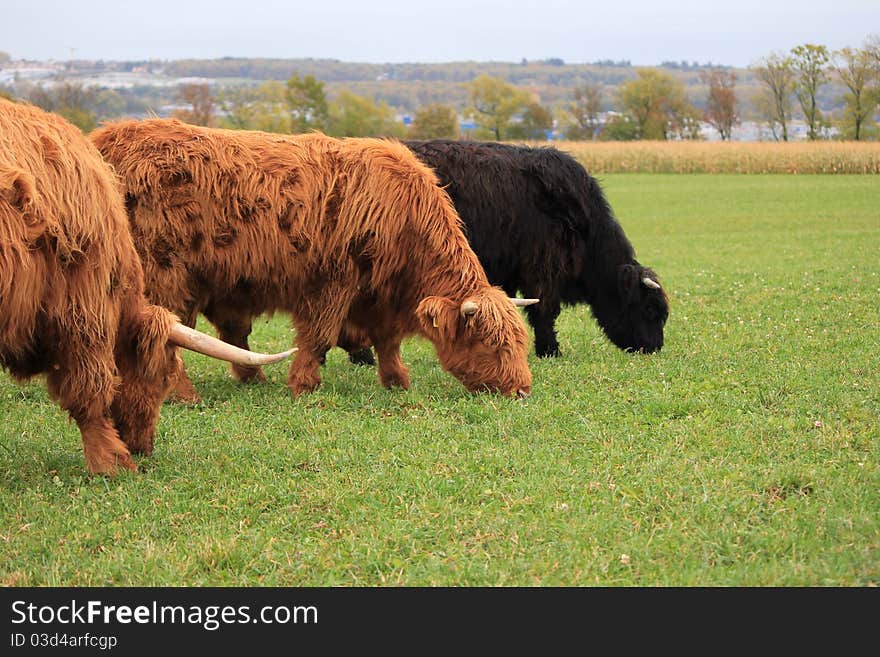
[810,63]
[198,96]
[71,100]
[777,73]
[872,47]
[585,110]
[721,107]
[856,71]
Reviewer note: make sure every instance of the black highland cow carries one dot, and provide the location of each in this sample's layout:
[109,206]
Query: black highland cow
[540,224]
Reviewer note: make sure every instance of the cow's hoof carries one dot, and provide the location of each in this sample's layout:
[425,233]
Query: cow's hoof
[181,397]
[248,374]
[298,388]
[395,380]
[112,464]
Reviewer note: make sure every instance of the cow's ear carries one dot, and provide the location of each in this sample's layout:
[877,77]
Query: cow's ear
[153,332]
[627,280]
[18,188]
[486,319]
[438,317]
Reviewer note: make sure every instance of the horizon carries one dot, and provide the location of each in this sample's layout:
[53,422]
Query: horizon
[393,31]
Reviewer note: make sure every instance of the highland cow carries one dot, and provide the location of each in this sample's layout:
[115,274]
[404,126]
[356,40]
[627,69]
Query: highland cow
[541,225]
[71,291]
[352,234]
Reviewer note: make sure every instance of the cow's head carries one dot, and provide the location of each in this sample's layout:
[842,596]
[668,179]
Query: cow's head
[149,364]
[481,340]
[635,313]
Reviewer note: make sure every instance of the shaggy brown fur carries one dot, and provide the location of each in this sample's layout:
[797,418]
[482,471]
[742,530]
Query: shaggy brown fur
[71,289]
[239,223]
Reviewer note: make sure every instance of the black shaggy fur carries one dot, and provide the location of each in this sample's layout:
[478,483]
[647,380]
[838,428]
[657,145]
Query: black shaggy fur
[540,225]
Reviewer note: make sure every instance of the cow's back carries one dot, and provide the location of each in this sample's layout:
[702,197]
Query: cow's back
[504,209]
[262,217]
[216,208]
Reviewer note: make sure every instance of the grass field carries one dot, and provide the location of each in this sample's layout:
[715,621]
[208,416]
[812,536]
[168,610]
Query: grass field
[744,454]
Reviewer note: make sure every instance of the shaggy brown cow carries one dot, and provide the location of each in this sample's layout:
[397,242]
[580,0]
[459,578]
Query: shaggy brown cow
[240,223]
[71,291]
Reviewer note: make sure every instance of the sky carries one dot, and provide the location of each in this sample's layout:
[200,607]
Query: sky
[643,32]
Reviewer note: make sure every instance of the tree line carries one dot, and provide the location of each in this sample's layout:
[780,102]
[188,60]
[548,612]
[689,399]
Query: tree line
[652,105]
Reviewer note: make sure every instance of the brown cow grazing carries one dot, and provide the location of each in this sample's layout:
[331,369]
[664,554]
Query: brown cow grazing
[71,291]
[337,233]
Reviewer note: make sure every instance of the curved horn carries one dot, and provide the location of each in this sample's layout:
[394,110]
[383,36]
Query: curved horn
[184,336]
[651,283]
[468,308]
[522,302]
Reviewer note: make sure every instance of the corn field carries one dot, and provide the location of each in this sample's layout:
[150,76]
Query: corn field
[725,157]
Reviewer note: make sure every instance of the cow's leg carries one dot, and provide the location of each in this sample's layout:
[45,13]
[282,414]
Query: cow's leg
[234,326]
[392,371]
[542,316]
[183,390]
[318,326]
[105,453]
[361,356]
[304,375]
[83,383]
[357,343]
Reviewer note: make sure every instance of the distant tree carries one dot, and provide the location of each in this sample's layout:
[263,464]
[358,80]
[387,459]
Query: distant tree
[71,100]
[239,106]
[721,106]
[493,103]
[619,127]
[585,109]
[774,104]
[687,123]
[810,63]
[856,72]
[436,121]
[272,107]
[534,122]
[358,116]
[199,98]
[41,97]
[872,47]
[4,58]
[307,103]
[658,105]
[80,117]
[109,104]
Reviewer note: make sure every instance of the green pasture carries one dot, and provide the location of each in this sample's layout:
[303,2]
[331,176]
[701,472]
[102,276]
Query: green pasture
[744,454]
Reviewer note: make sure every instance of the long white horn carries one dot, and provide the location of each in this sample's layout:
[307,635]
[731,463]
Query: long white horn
[651,283]
[522,302]
[184,336]
[468,308]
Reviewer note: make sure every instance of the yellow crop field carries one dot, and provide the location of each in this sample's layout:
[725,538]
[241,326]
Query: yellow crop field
[726,157]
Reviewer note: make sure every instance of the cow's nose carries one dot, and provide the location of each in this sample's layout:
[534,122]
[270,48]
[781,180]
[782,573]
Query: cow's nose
[522,394]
